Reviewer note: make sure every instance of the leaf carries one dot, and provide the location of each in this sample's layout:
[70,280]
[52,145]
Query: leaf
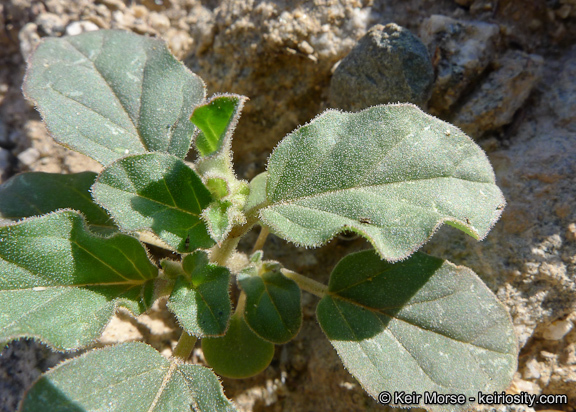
[200,300]
[238,354]
[420,325]
[131,377]
[36,193]
[156,192]
[273,310]
[111,93]
[218,219]
[390,173]
[61,284]
[216,120]
[257,196]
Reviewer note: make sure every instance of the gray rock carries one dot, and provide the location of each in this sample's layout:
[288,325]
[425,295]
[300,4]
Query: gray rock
[563,96]
[389,64]
[504,91]
[50,24]
[28,38]
[461,51]
[4,164]
[3,134]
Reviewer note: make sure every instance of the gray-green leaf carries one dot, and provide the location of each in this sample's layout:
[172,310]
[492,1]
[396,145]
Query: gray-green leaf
[60,283]
[159,193]
[131,377]
[31,194]
[273,310]
[390,173]
[419,325]
[216,120]
[200,300]
[111,93]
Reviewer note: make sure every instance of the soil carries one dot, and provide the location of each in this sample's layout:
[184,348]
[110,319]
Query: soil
[514,91]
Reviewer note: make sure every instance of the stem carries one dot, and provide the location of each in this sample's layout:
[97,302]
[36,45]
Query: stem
[307,284]
[241,303]
[264,231]
[221,254]
[184,346]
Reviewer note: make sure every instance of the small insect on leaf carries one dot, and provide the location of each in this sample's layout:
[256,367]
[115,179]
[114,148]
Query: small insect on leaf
[365,220]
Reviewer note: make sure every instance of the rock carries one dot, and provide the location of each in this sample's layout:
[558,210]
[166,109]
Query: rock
[50,24]
[504,91]
[460,52]
[78,27]
[3,134]
[389,64]
[28,38]
[29,156]
[256,49]
[563,97]
[557,329]
[5,156]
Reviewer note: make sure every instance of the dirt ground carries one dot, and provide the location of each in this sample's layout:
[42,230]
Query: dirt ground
[505,72]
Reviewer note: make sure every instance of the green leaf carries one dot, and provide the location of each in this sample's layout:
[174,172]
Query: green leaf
[390,173]
[37,193]
[200,300]
[419,325]
[273,310]
[61,284]
[131,377]
[159,193]
[238,354]
[218,219]
[216,121]
[257,196]
[111,93]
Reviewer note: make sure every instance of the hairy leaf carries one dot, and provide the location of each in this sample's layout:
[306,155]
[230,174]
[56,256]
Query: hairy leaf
[37,193]
[273,310]
[60,283]
[238,354]
[200,299]
[390,173]
[159,193]
[216,121]
[419,325]
[131,377]
[257,196]
[111,93]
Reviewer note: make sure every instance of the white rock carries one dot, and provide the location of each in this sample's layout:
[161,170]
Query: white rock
[557,330]
[78,27]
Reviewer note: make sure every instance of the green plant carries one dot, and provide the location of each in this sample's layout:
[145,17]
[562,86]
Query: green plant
[399,319]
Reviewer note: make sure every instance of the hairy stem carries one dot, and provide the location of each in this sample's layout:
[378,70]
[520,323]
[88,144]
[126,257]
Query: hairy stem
[184,347]
[264,231]
[307,284]
[221,253]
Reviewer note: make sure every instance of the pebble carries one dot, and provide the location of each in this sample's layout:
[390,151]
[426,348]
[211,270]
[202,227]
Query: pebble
[4,161]
[461,51]
[557,330]
[3,134]
[50,24]
[389,64]
[29,156]
[78,27]
[494,103]
[563,101]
